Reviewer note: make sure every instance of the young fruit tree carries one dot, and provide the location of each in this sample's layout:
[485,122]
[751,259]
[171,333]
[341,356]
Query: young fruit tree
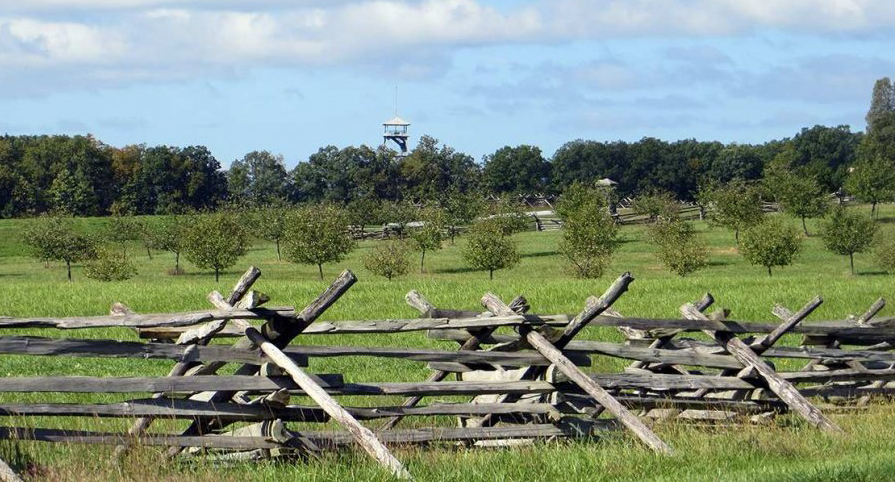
[735,206]
[215,240]
[846,233]
[487,248]
[388,258]
[317,235]
[771,243]
[270,223]
[169,234]
[801,197]
[872,180]
[884,250]
[590,235]
[110,265]
[509,216]
[121,230]
[430,234]
[657,205]
[678,247]
[56,239]
[461,210]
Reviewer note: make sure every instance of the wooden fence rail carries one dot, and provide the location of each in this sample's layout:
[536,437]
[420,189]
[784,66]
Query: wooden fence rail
[515,375]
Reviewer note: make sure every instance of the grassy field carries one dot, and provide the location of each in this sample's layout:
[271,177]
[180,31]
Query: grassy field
[785,451]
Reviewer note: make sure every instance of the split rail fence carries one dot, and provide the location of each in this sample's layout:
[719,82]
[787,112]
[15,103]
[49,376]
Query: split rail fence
[514,377]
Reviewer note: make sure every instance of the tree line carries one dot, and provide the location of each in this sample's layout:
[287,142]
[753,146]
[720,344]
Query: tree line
[80,175]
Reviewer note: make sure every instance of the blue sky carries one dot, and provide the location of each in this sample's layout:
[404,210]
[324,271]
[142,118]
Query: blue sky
[292,76]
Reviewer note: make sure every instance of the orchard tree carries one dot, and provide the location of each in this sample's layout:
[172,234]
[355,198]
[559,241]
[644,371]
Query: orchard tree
[735,205]
[317,234]
[847,233]
[461,209]
[884,249]
[509,216]
[657,205]
[678,247]
[873,181]
[771,243]
[169,234]
[122,229]
[590,235]
[56,239]
[430,234]
[110,265]
[388,258]
[215,241]
[801,197]
[488,248]
[270,223]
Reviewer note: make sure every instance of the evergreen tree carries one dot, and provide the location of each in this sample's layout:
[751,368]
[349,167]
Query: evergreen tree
[882,102]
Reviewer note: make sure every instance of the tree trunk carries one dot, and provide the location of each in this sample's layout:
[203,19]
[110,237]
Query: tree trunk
[736,236]
[320,270]
[279,259]
[769,272]
[453,233]
[177,262]
[422,261]
[217,274]
[491,274]
[873,210]
[851,262]
[68,265]
[149,253]
[804,226]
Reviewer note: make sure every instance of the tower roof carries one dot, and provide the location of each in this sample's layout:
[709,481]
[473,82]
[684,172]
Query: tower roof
[396,121]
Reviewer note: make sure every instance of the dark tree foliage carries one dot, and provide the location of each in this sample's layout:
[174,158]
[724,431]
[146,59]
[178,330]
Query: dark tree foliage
[344,175]
[259,178]
[882,102]
[824,153]
[516,170]
[430,172]
[80,175]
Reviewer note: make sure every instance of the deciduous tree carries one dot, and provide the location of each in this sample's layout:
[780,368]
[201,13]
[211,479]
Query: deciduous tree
[56,239]
[388,258]
[215,241]
[771,243]
[590,235]
[488,248]
[846,232]
[430,234]
[317,234]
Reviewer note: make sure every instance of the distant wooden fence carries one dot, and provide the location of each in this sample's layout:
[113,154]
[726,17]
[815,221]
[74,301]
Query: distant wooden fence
[520,374]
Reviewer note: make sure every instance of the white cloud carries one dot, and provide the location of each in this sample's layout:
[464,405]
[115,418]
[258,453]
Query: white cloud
[132,40]
[29,43]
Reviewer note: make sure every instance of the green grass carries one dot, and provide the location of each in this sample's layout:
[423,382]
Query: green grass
[785,451]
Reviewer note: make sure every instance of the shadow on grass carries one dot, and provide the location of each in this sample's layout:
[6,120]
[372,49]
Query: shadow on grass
[717,262]
[540,254]
[872,273]
[459,269]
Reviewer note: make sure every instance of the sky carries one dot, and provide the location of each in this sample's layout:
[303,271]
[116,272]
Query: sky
[293,76]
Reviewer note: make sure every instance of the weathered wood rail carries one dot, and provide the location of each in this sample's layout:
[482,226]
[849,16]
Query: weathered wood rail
[523,376]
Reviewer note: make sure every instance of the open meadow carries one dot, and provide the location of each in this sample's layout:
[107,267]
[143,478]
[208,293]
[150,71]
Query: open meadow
[785,450]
